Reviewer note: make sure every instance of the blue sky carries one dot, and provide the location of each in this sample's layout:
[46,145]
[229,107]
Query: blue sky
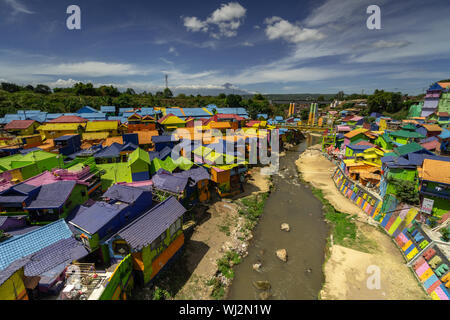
[256,46]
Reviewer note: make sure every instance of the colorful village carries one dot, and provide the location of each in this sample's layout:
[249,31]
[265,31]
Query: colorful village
[93,204]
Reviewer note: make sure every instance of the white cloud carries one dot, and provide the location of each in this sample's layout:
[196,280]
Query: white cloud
[17,7]
[223,22]
[278,28]
[194,24]
[390,44]
[173,51]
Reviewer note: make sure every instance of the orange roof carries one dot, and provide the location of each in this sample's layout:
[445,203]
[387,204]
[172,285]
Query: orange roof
[109,141]
[220,125]
[145,137]
[355,132]
[444,84]
[432,127]
[435,170]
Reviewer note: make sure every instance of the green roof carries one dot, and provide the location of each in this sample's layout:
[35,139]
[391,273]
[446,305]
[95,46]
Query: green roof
[409,127]
[184,163]
[38,155]
[115,172]
[406,134]
[139,154]
[408,148]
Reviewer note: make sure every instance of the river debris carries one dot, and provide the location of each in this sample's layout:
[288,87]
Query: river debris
[257,266]
[282,254]
[264,295]
[285,227]
[262,285]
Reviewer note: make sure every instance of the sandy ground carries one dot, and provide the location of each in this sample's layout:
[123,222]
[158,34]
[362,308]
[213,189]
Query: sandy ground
[346,271]
[216,232]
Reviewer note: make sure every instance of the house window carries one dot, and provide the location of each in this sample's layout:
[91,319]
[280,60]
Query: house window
[155,244]
[163,236]
[120,247]
[83,193]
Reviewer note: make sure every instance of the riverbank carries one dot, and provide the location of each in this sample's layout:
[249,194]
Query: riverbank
[356,243]
[218,240]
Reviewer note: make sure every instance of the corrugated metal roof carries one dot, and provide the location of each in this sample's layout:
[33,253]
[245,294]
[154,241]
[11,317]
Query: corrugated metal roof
[106,109]
[32,242]
[144,230]
[169,182]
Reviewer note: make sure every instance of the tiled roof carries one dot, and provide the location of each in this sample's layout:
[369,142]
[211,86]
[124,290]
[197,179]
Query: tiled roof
[68,119]
[19,124]
[169,182]
[62,252]
[97,216]
[32,242]
[53,195]
[123,193]
[144,230]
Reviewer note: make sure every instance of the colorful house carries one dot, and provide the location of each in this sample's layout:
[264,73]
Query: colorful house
[385,142]
[435,184]
[56,200]
[21,127]
[139,164]
[12,286]
[55,130]
[357,134]
[102,129]
[47,251]
[154,240]
[171,122]
[138,122]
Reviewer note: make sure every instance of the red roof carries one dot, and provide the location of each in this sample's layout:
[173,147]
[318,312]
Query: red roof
[68,119]
[19,124]
[432,145]
[165,117]
[251,123]
[229,116]
[365,143]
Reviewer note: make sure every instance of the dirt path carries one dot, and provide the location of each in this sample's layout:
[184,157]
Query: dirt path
[346,268]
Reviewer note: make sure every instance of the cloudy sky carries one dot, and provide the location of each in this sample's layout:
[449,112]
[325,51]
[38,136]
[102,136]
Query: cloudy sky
[256,46]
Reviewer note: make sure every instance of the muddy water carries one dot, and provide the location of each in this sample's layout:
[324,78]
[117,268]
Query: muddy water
[292,202]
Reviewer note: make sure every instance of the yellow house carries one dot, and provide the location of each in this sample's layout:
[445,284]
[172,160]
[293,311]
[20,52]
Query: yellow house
[22,127]
[55,130]
[371,156]
[171,122]
[110,127]
[12,286]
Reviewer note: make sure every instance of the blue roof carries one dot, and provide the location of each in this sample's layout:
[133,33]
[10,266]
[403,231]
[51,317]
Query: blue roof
[66,137]
[53,195]
[196,112]
[32,242]
[163,139]
[86,109]
[196,174]
[97,216]
[93,116]
[144,230]
[279,118]
[147,111]
[124,193]
[262,115]
[113,151]
[358,147]
[169,182]
[107,109]
[445,134]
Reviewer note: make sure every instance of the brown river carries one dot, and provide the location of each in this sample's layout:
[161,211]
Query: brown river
[290,202]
